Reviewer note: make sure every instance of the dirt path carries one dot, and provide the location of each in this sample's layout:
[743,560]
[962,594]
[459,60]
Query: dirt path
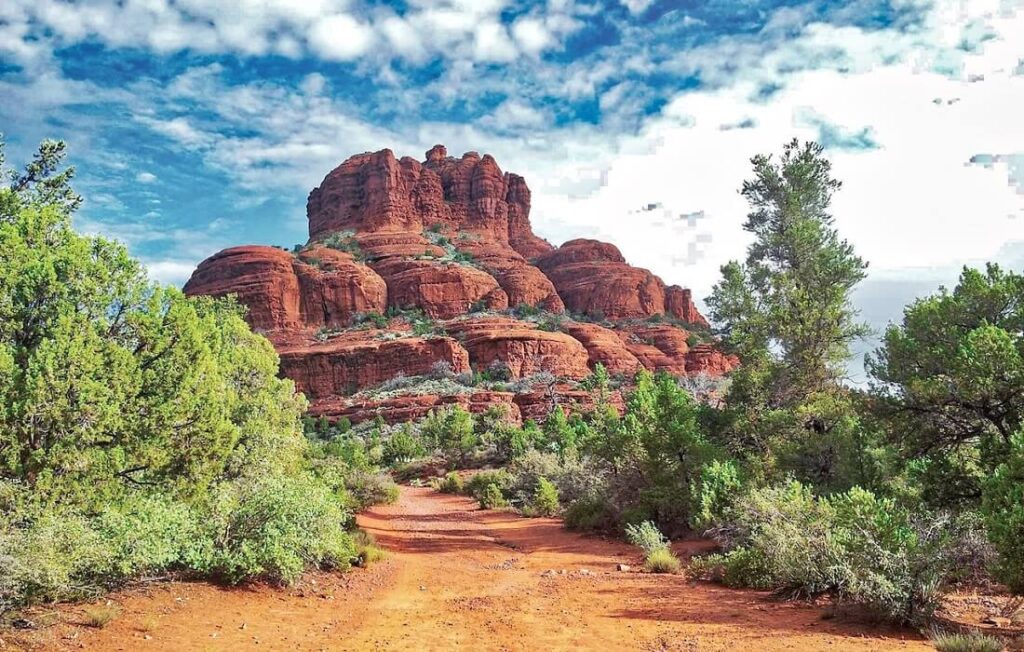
[461,578]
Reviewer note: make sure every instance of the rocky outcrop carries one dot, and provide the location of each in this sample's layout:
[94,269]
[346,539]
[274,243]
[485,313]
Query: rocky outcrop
[441,290]
[537,404]
[352,361]
[520,346]
[706,359]
[523,283]
[659,347]
[593,279]
[679,304]
[400,409]
[320,288]
[451,238]
[376,193]
[605,347]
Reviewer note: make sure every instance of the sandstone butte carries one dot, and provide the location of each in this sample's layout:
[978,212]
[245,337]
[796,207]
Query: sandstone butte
[420,269]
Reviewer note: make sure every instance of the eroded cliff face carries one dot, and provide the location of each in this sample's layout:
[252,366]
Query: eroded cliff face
[445,249]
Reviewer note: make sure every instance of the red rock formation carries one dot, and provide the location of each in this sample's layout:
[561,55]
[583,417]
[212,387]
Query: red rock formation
[523,283]
[679,304]
[449,236]
[379,193]
[521,346]
[538,404]
[354,360]
[706,359]
[593,279]
[442,290]
[321,288]
[659,347]
[400,409]
[604,346]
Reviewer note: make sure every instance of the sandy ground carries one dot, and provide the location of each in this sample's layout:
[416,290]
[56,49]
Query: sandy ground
[461,578]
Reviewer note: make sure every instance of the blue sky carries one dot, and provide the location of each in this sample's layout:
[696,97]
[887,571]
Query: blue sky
[198,125]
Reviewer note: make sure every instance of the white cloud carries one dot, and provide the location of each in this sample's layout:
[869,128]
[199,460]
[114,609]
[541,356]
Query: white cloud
[170,272]
[145,177]
[334,30]
[340,37]
[531,35]
[637,6]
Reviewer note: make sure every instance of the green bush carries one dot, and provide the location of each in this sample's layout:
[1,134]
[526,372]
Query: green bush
[452,484]
[713,493]
[368,488]
[590,514]
[402,447]
[647,537]
[492,498]
[545,499]
[1003,510]
[662,561]
[272,528]
[479,483]
[859,548]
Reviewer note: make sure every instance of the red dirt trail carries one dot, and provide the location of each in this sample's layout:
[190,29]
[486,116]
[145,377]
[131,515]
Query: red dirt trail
[461,578]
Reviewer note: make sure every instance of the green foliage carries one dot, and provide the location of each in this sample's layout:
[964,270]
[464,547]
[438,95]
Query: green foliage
[545,499]
[452,484]
[142,431]
[661,560]
[714,492]
[368,487]
[272,528]
[347,242]
[492,498]
[786,311]
[646,536]
[477,485]
[951,382]
[590,513]
[372,318]
[1003,510]
[793,292]
[855,546]
[451,431]
[401,447]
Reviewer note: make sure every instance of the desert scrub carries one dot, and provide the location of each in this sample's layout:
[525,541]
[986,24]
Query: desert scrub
[544,501]
[590,513]
[451,484]
[492,498]
[367,550]
[478,484]
[662,561]
[272,528]
[859,548]
[972,642]
[647,537]
[99,616]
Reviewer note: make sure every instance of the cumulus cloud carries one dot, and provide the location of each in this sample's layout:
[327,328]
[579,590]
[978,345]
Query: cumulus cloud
[145,177]
[340,37]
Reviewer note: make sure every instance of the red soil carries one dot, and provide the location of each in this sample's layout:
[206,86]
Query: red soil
[462,578]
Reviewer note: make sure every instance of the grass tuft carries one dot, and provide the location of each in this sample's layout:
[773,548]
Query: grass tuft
[662,561]
[973,642]
[101,615]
